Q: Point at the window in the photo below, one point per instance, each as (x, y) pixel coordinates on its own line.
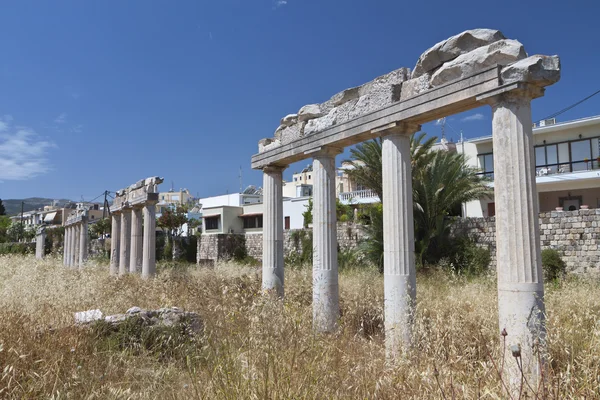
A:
(287, 223)
(309, 177)
(251, 222)
(211, 223)
(486, 164)
(576, 155)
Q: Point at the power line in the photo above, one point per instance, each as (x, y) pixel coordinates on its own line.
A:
(564, 110)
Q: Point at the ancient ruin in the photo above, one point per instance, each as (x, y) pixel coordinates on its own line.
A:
(40, 242)
(131, 249)
(474, 68)
(76, 239)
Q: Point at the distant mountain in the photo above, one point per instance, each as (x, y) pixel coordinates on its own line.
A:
(13, 206)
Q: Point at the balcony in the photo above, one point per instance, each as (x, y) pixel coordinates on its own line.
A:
(559, 168)
(359, 197)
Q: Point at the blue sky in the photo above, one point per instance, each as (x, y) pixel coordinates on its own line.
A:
(97, 95)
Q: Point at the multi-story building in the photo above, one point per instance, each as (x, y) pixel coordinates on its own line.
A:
(567, 168)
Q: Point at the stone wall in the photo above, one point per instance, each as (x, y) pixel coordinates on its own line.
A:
(212, 248)
(574, 234)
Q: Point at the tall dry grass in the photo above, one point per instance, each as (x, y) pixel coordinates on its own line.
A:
(258, 348)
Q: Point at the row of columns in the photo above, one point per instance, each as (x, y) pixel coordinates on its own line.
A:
(75, 251)
(133, 243)
(520, 281)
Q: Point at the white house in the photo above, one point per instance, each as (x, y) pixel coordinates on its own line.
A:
(567, 160)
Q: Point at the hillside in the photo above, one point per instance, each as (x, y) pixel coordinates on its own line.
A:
(13, 206)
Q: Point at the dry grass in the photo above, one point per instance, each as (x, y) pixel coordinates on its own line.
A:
(258, 348)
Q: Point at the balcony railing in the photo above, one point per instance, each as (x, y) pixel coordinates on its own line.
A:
(559, 168)
(358, 195)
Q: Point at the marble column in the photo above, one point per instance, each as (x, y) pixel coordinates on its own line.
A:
(83, 241)
(40, 244)
(125, 242)
(115, 238)
(75, 246)
(272, 268)
(149, 241)
(519, 269)
(326, 307)
(135, 258)
(66, 244)
(398, 239)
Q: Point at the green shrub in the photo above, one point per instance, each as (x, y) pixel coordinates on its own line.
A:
(302, 253)
(553, 265)
(465, 257)
(17, 248)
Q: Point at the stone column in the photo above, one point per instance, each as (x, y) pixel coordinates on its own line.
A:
(135, 258)
(40, 243)
(115, 238)
(326, 307)
(125, 242)
(149, 252)
(272, 268)
(520, 278)
(398, 239)
(75, 246)
(83, 241)
(66, 243)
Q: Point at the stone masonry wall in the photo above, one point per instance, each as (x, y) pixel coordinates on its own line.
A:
(574, 234)
(212, 248)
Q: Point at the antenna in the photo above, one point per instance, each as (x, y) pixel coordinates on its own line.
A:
(241, 186)
(172, 186)
(442, 122)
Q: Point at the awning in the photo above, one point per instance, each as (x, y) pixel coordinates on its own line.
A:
(50, 217)
(250, 215)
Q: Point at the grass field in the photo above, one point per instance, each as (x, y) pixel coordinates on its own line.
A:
(257, 348)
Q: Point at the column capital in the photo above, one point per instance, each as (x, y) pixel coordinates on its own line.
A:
(274, 168)
(403, 128)
(522, 93)
(324, 151)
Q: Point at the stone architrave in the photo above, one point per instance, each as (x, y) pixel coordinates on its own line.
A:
(83, 240)
(272, 269)
(115, 239)
(125, 242)
(518, 253)
(135, 258)
(149, 240)
(40, 243)
(398, 238)
(326, 308)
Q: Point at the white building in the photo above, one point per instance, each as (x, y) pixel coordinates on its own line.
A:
(567, 165)
(248, 218)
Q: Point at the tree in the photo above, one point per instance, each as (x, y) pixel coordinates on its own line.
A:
(442, 181)
(4, 225)
(439, 189)
(100, 227)
(365, 160)
(2, 209)
(172, 222)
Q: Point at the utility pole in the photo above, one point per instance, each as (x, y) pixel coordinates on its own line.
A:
(105, 209)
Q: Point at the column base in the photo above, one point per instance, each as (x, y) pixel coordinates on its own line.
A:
(326, 307)
(399, 302)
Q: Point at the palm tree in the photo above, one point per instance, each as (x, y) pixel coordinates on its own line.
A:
(442, 181)
(365, 161)
(439, 189)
